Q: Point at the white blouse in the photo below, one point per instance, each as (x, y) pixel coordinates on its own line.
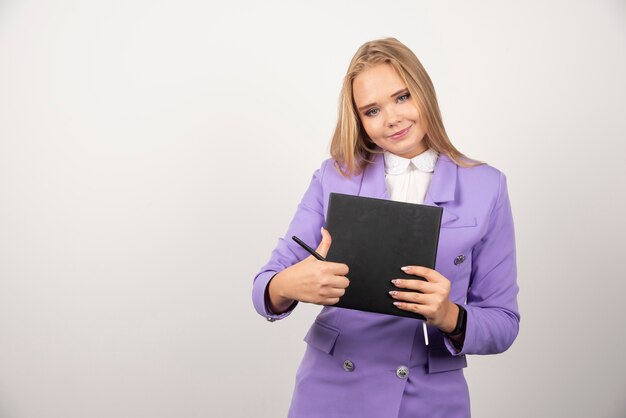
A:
(408, 179)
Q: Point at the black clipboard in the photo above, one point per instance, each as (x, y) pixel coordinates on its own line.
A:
(375, 237)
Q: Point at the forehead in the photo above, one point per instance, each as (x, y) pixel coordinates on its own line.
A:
(375, 84)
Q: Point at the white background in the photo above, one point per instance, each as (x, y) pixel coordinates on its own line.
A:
(151, 153)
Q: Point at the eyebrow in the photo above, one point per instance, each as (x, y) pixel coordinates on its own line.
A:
(395, 94)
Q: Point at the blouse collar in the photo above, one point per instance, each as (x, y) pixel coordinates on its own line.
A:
(394, 164)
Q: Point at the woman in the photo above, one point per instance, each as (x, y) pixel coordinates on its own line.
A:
(390, 143)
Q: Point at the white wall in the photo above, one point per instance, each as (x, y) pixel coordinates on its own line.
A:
(129, 238)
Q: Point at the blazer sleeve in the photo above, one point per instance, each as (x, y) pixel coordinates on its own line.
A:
(492, 312)
(306, 224)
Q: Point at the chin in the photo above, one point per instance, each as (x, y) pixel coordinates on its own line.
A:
(413, 150)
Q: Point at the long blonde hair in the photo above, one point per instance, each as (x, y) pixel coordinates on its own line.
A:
(351, 148)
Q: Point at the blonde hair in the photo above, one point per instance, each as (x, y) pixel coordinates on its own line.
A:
(351, 148)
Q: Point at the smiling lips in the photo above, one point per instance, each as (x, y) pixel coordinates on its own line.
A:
(400, 134)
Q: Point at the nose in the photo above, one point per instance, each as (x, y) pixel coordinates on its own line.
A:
(392, 118)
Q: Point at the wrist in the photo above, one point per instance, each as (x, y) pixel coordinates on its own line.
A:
(450, 319)
(279, 302)
(460, 324)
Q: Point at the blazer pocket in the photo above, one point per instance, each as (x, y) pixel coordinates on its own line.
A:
(440, 360)
(452, 220)
(322, 336)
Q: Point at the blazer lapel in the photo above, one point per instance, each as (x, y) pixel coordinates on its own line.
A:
(443, 192)
(373, 179)
(442, 188)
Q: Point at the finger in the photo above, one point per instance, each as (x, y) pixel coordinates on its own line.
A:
(330, 281)
(335, 293)
(429, 274)
(334, 282)
(410, 307)
(414, 284)
(333, 287)
(331, 301)
(327, 296)
(412, 297)
(338, 269)
(324, 246)
(340, 282)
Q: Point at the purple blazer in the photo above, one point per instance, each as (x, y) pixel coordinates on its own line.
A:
(352, 364)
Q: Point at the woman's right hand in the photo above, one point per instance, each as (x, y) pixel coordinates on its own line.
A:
(310, 280)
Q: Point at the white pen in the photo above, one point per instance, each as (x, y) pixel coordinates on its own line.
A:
(425, 332)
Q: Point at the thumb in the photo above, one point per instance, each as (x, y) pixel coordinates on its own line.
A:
(324, 246)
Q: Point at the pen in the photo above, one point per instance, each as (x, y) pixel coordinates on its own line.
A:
(309, 249)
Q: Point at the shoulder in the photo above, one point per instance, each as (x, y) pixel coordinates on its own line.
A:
(328, 163)
(328, 179)
(483, 182)
(330, 172)
(482, 173)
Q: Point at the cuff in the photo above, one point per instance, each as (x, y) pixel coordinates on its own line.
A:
(469, 335)
(261, 301)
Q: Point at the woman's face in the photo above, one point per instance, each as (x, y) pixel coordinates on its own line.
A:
(387, 111)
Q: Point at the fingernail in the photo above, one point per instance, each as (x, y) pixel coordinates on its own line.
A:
(392, 293)
(405, 268)
(397, 303)
(395, 281)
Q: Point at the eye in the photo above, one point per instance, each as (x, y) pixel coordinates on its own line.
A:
(371, 112)
(404, 97)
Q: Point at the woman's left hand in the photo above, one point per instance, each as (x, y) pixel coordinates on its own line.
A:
(434, 300)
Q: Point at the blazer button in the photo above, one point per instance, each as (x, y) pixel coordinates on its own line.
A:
(402, 372)
(459, 259)
(348, 365)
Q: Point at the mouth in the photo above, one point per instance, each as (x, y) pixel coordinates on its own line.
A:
(401, 133)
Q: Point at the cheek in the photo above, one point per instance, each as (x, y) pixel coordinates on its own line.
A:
(413, 113)
(371, 128)
(414, 116)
